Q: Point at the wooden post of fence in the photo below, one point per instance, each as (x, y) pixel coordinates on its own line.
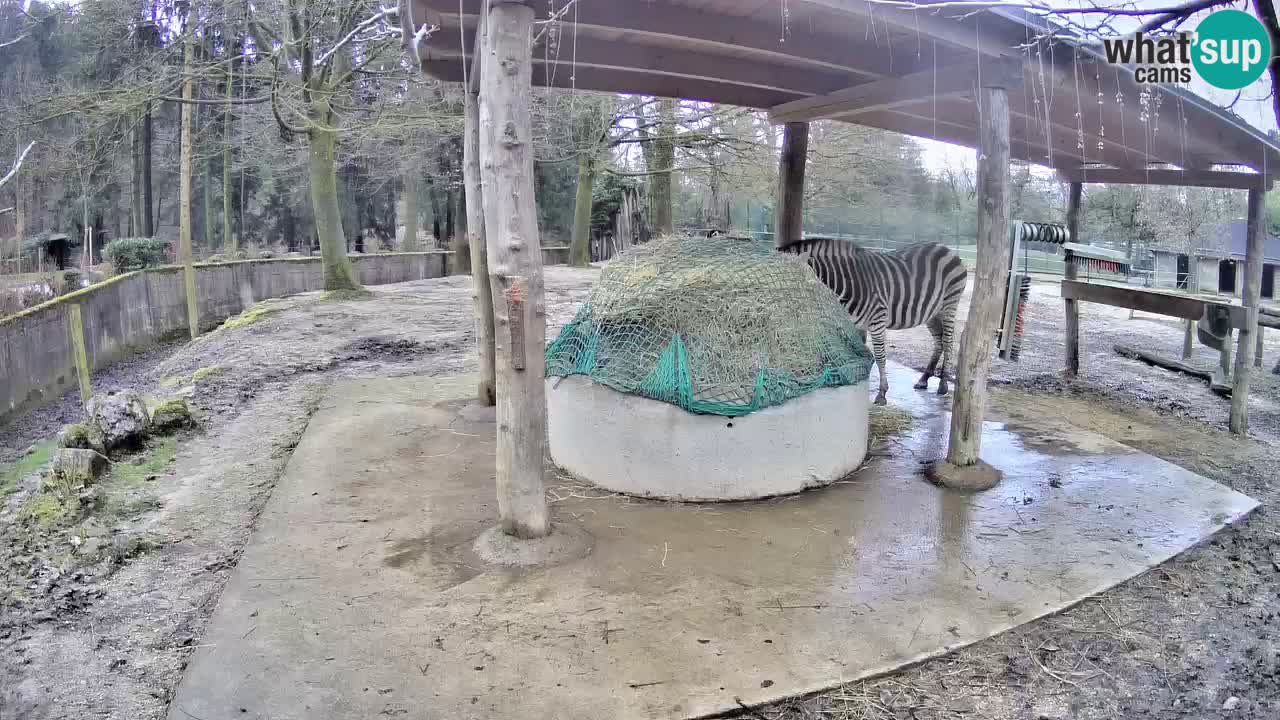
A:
(1257, 350)
(515, 268)
(1250, 296)
(1188, 339)
(1072, 307)
(75, 331)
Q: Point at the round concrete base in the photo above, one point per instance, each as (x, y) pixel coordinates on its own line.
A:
(970, 478)
(565, 543)
(634, 445)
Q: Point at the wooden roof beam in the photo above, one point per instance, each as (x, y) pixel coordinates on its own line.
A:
(958, 133)
(950, 30)
(877, 95)
(446, 66)
(1054, 141)
(1181, 178)
(595, 52)
(688, 27)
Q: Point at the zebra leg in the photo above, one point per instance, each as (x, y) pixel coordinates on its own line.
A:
(936, 329)
(948, 323)
(878, 336)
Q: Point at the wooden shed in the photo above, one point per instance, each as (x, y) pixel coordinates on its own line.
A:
(1000, 80)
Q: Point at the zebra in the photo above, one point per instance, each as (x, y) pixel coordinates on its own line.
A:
(893, 290)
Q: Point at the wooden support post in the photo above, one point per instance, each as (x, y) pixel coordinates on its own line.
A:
(1072, 306)
(515, 268)
(1257, 349)
(483, 295)
(75, 332)
(1250, 295)
(1188, 340)
(1224, 361)
(789, 217)
(992, 264)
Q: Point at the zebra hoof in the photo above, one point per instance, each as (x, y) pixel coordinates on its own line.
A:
(942, 389)
(880, 400)
(923, 383)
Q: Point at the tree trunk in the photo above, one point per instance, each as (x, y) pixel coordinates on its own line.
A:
(207, 201)
(436, 232)
(664, 160)
(449, 229)
(19, 212)
(485, 392)
(789, 216)
(410, 195)
(580, 245)
(148, 217)
(136, 223)
(1250, 296)
(339, 274)
(515, 266)
(992, 264)
(184, 192)
(228, 231)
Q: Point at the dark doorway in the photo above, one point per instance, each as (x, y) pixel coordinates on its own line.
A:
(1184, 270)
(1227, 277)
(1268, 281)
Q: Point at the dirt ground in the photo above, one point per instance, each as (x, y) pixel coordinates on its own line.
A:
(109, 637)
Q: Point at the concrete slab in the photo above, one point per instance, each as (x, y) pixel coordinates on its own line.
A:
(359, 595)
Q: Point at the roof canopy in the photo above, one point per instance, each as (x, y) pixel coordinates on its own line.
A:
(913, 72)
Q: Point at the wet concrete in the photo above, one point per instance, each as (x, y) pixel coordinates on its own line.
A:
(360, 595)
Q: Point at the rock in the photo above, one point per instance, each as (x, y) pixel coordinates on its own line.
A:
(75, 435)
(171, 415)
(116, 420)
(77, 468)
(1231, 703)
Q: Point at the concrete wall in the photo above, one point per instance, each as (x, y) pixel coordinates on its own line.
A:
(133, 311)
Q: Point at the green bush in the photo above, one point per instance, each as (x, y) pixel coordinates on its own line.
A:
(127, 254)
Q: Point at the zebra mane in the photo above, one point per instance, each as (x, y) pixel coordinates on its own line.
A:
(798, 244)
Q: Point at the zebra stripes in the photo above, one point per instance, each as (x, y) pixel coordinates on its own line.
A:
(893, 290)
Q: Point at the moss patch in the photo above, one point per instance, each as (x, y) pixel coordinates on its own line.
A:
(13, 472)
(45, 510)
(151, 463)
(887, 421)
(251, 316)
(205, 373)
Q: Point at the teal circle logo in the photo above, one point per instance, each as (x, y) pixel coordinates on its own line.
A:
(1232, 49)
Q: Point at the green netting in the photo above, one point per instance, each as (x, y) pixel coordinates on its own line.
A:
(718, 326)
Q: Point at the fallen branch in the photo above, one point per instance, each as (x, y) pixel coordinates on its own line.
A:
(1175, 366)
(17, 165)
